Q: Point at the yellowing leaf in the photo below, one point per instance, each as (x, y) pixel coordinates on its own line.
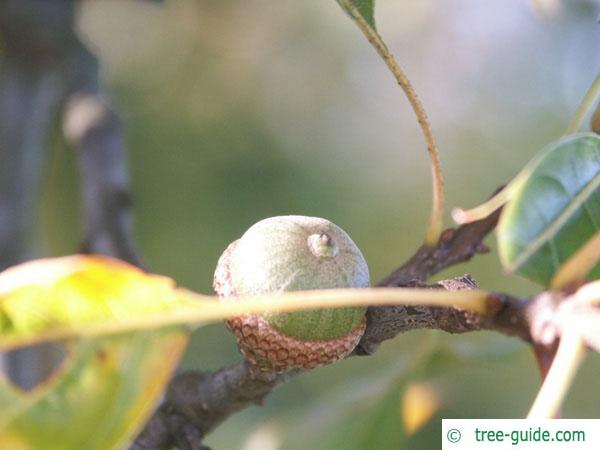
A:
(44, 297)
(124, 332)
(106, 388)
(99, 399)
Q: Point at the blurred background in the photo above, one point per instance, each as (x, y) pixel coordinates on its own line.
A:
(239, 110)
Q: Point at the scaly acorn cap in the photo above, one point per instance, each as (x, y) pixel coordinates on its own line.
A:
(291, 253)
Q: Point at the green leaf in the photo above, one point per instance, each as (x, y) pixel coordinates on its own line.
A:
(103, 393)
(366, 8)
(555, 211)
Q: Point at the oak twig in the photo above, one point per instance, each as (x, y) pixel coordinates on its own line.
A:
(93, 128)
(200, 401)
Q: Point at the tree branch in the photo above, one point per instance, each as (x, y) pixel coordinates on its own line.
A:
(93, 128)
(201, 401)
(197, 402)
(44, 66)
(35, 38)
(456, 245)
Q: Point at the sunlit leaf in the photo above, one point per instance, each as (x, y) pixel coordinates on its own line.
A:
(555, 211)
(100, 397)
(77, 292)
(106, 387)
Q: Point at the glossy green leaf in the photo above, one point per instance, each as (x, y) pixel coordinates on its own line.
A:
(102, 394)
(555, 211)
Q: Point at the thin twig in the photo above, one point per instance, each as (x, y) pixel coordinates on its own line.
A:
(93, 128)
(462, 216)
(455, 246)
(479, 212)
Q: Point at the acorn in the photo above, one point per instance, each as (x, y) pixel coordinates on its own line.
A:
(293, 253)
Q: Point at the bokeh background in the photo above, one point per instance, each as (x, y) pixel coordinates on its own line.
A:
(239, 110)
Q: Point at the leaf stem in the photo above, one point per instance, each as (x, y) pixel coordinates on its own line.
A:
(483, 210)
(569, 357)
(190, 308)
(579, 265)
(434, 228)
(586, 104)
(462, 216)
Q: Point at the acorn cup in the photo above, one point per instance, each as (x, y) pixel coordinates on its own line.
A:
(293, 253)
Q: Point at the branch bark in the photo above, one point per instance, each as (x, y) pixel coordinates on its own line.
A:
(197, 402)
(45, 68)
(35, 42)
(456, 245)
(93, 128)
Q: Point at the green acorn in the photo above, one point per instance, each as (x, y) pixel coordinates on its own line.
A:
(293, 253)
